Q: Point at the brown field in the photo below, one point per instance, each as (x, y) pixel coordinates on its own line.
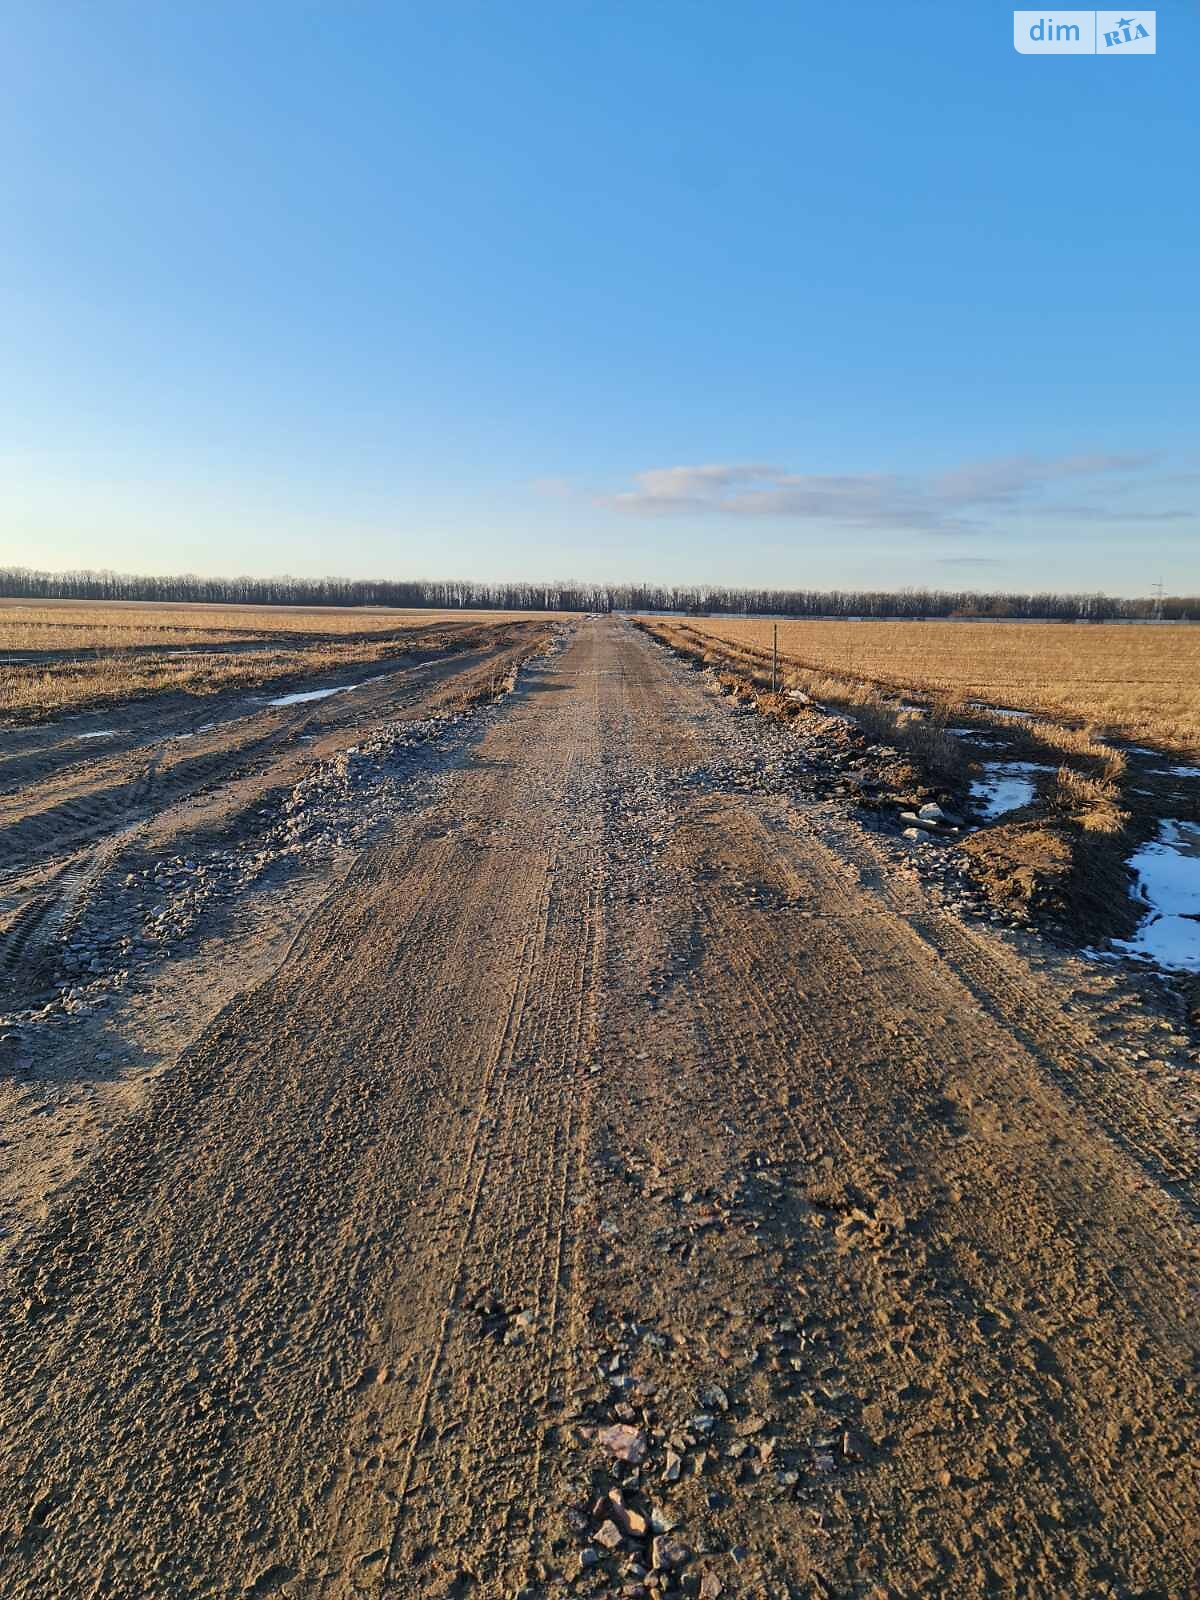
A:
(1137, 681)
(67, 624)
(71, 656)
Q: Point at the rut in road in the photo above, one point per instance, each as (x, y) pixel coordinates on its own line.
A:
(611, 1091)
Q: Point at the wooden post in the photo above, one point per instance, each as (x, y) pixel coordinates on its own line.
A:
(774, 656)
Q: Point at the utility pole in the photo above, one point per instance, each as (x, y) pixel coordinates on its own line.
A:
(774, 656)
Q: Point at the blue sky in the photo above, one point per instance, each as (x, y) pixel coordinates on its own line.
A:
(773, 294)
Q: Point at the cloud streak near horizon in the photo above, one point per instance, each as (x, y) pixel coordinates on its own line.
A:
(953, 502)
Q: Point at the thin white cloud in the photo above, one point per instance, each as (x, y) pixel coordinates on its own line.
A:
(552, 488)
(1011, 477)
(960, 501)
(1090, 513)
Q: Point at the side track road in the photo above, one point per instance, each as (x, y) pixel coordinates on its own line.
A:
(624, 1185)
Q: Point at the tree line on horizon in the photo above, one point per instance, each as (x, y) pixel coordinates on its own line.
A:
(24, 583)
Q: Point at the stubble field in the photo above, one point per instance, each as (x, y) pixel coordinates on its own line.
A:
(1140, 682)
(68, 656)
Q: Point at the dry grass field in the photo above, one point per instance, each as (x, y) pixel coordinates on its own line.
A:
(84, 625)
(68, 656)
(1140, 682)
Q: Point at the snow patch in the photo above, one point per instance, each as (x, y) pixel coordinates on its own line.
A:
(310, 694)
(1167, 870)
(1006, 786)
(999, 711)
(103, 733)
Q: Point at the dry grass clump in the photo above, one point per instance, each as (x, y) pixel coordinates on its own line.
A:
(935, 752)
(924, 740)
(1087, 741)
(1136, 679)
(1092, 802)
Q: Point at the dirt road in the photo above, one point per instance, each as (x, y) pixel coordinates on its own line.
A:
(621, 1088)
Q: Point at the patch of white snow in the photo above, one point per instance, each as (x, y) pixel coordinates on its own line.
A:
(1006, 786)
(999, 711)
(305, 695)
(1168, 882)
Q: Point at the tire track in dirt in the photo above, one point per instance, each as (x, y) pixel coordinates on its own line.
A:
(515, 1159)
(510, 1253)
(419, 931)
(1130, 1111)
(493, 1102)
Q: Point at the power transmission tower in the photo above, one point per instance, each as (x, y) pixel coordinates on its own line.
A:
(1156, 589)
